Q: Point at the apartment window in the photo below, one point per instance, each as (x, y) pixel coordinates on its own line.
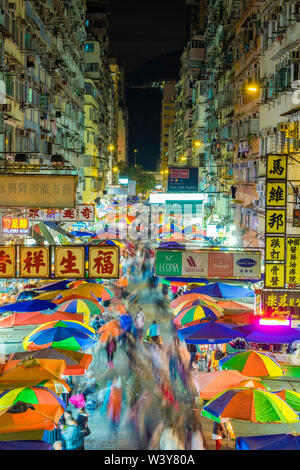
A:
(89, 47)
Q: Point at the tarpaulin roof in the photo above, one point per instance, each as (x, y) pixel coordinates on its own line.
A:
(211, 333)
(273, 442)
(28, 306)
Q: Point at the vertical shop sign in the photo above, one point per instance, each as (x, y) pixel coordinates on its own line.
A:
(34, 262)
(7, 261)
(104, 262)
(69, 261)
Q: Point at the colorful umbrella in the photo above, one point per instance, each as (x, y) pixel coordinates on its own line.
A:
(192, 314)
(110, 328)
(273, 442)
(56, 386)
(210, 384)
(250, 404)
(57, 285)
(249, 383)
(76, 362)
(252, 363)
(81, 306)
(230, 306)
(221, 290)
(71, 335)
(28, 306)
(111, 242)
(292, 398)
(29, 408)
(27, 372)
(89, 291)
(36, 318)
(190, 297)
(48, 295)
(199, 302)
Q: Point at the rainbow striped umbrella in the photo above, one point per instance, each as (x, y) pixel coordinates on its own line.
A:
(292, 398)
(56, 386)
(218, 311)
(249, 404)
(70, 335)
(81, 306)
(195, 313)
(252, 363)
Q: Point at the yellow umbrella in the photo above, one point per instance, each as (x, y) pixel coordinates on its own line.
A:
(48, 295)
(88, 290)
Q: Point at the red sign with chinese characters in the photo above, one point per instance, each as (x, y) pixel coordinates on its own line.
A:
(34, 262)
(104, 262)
(69, 261)
(7, 261)
(280, 304)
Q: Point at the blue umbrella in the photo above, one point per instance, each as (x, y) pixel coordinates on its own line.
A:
(227, 291)
(28, 306)
(60, 285)
(273, 442)
(185, 332)
(271, 334)
(126, 322)
(82, 234)
(212, 333)
(193, 280)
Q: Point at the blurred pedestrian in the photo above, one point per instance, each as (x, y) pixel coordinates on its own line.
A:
(111, 347)
(72, 434)
(114, 406)
(218, 434)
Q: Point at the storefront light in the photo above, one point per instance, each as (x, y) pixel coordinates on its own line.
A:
(267, 322)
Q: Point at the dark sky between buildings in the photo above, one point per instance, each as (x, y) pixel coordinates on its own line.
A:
(147, 37)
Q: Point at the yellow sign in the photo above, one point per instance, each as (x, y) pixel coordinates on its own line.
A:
(104, 262)
(34, 262)
(275, 221)
(7, 261)
(276, 194)
(276, 167)
(274, 275)
(292, 261)
(69, 262)
(52, 191)
(275, 248)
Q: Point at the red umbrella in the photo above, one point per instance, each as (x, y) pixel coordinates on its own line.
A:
(36, 318)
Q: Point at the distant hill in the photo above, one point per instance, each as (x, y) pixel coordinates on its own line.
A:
(164, 67)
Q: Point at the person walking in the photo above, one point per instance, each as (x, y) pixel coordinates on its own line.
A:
(218, 434)
(192, 348)
(82, 421)
(111, 347)
(114, 406)
(72, 434)
(139, 322)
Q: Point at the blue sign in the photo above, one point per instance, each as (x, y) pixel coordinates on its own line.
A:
(246, 263)
(183, 179)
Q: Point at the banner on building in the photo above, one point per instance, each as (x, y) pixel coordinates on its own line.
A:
(278, 304)
(293, 261)
(104, 262)
(15, 225)
(74, 262)
(210, 264)
(81, 213)
(42, 191)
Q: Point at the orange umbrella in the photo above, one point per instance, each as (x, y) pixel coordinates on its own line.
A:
(231, 306)
(90, 290)
(110, 328)
(251, 383)
(190, 297)
(29, 372)
(36, 318)
(56, 386)
(122, 282)
(210, 384)
(74, 297)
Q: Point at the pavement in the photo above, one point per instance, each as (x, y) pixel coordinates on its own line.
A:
(102, 437)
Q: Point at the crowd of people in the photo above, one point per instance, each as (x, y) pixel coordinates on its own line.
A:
(154, 398)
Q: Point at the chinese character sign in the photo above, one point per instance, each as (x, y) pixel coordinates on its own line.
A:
(276, 194)
(278, 304)
(34, 262)
(275, 221)
(274, 276)
(292, 261)
(86, 213)
(276, 167)
(7, 262)
(40, 191)
(15, 225)
(275, 248)
(82, 213)
(104, 262)
(69, 262)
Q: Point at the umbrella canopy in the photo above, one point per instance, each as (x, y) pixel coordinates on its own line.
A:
(190, 297)
(36, 318)
(220, 290)
(81, 306)
(211, 333)
(191, 314)
(56, 386)
(76, 362)
(71, 335)
(29, 372)
(230, 306)
(250, 404)
(110, 328)
(111, 242)
(89, 291)
(48, 295)
(25, 445)
(250, 383)
(28, 306)
(292, 398)
(252, 363)
(57, 285)
(272, 334)
(218, 311)
(273, 442)
(210, 384)
(29, 408)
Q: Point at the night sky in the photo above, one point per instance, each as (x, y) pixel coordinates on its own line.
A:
(147, 37)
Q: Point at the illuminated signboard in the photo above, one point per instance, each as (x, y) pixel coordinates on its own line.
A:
(15, 225)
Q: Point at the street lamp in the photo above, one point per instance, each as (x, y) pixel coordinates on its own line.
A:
(135, 152)
(197, 143)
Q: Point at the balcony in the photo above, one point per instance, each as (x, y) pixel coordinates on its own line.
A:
(5, 22)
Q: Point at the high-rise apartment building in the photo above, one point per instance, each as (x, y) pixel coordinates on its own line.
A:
(167, 121)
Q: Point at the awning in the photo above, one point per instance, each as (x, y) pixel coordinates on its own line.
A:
(291, 111)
